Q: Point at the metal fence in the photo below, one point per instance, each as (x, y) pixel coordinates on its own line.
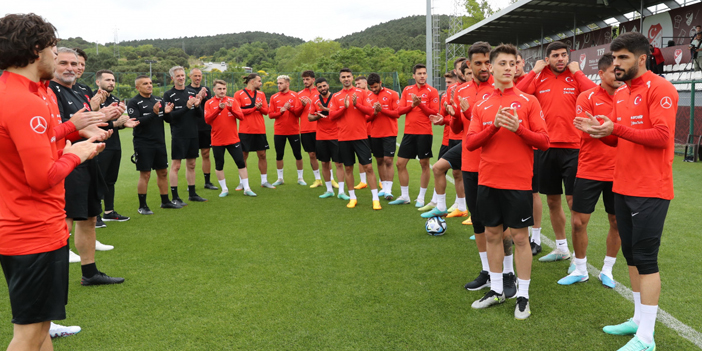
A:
(125, 87)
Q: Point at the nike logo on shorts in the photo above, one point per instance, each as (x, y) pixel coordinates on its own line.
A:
(296, 140)
(525, 219)
(634, 214)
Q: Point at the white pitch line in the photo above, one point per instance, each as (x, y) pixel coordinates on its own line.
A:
(664, 317)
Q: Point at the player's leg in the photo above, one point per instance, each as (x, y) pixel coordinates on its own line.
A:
(279, 142)
(586, 194)
(550, 184)
(489, 210)
(310, 147)
(470, 185)
(440, 169)
(238, 156)
(516, 206)
(425, 154)
(296, 147)
(263, 168)
(461, 210)
(204, 140)
(613, 240)
(218, 154)
(34, 336)
(324, 155)
(162, 183)
(190, 164)
(363, 152)
(389, 148)
(173, 180)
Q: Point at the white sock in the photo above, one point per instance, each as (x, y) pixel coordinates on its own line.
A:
(245, 183)
(352, 194)
(608, 264)
(434, 197)
(536, 235)
(331, 175)
(374, 192)
(637, 308)
(280, 173)
(405, 192)
(648, 323)
(484, 261)
(264, 178)
(223, 185)
(461, 201)
(388, 188)
(422, 194)
(299, 173)
(329, 187)
(581, 265)
(507, 266)
(523, 288)
(363, 177)
(441, 202)
(496, 282)
(562, 245)
(341, 187)
(239, 179)
(316, 175)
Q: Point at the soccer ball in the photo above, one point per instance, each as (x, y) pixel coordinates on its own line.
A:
(435, 226)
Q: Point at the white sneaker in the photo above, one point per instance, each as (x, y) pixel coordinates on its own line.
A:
(73, 257)
(102, 247)
(58, 330)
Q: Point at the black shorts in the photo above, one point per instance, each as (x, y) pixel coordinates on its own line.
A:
(383, 147)
(234, 150)
(328, 150)
(453, 143)
(510, 208)
(640, 221)
(416, 145)
(308, 142)
(454, 156)
(587, 192)
(184, 148)
(253, 142)
(442, 150)
(109, 161)
(83, 198)
(148, 158)
(38, 285)
(537, 167)
(470, 187)
(558, 166)
(348, 150)
(279, 143)
(204, 139)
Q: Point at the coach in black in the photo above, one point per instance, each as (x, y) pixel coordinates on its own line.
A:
(184, 145)
(204, 130)
(85, 185)
(109, 159)
(150, 142)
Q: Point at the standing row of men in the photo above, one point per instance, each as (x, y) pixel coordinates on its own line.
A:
(501, 125)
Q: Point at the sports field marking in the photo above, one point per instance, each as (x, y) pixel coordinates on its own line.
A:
(664, 317)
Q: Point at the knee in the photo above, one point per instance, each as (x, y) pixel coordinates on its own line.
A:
(553, 201)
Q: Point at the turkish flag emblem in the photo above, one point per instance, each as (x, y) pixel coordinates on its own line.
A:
(654, 33)
(678, 55)
(583, 60)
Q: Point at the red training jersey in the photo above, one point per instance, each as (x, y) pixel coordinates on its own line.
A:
(223, 120)
(473, 92)
(286, 122)
(645, 127)
(502, 149)
(327, 129)
(253, 122)
(417, 118)
(596, 159)
(32, 169)
(557, 95)
(384, 123)
(305, 125)
(351, 120)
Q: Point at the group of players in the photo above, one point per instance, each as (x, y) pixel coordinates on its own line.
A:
(508, 137)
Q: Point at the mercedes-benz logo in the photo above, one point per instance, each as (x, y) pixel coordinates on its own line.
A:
(38, 124)
(666, 102)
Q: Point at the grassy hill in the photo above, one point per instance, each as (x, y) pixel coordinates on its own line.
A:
(408, 33)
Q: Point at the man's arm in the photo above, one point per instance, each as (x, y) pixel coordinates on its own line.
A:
(432, 105)
(212, 110)
(478, 134)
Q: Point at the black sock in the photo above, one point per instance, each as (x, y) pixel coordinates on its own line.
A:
(142, 200)
(164, 199)
(174, 191)
(89, 270)
(207, 178)
(191, 190)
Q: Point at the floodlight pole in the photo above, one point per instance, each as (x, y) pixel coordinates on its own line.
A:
(430, 52)
(150, 62)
